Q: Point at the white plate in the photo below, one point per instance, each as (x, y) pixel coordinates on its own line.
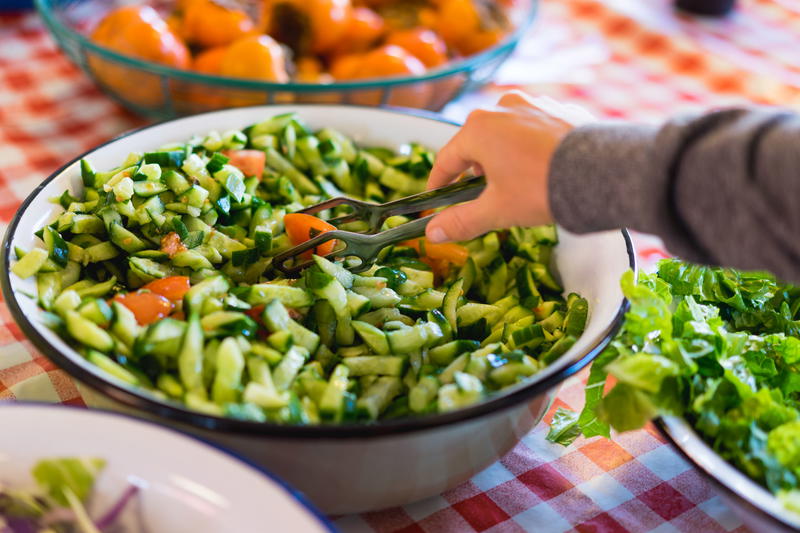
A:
(186, 484)
(757, 507)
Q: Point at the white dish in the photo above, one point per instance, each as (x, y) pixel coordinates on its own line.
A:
(352, 467)
(757, 507)
(185, 484)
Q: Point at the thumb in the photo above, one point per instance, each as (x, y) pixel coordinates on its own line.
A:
(463, 222)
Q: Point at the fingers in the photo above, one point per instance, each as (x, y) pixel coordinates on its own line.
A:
(570, 113)
(464, 221)
(450, 162)
(514, 98)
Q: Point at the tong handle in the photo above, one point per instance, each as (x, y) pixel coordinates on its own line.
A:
(455, 193)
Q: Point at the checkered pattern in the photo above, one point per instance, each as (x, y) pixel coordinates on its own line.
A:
(619, 58)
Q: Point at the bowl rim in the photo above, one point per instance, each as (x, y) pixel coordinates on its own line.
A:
(723, 475)
(210, 446)
(132, 398)
(469, 63)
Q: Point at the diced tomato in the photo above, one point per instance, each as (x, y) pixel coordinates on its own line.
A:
(171, 244)
(172, 288)
(440, 267)
(301, 228)
(449, 251)
(255, 312)
(250, 162)
(147, 307)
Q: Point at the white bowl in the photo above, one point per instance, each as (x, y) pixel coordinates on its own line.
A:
(185, 484)
(353, 467)
(757, 507)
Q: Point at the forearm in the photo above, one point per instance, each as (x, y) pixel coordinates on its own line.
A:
(719, 189)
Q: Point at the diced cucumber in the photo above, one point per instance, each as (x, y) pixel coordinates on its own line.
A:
(326, 287)
(148, 188)
(498, 277)
(445, 354)
(88, 333)
(288, 368)
(375, 338)
(527, 337)
(149, 269)
(48, 285)
(30, 263)
(411, 339)
(381, 365)
(545, 309)
(208, 288)
(466, 391)
(577, 313)
(276, 318)
(558, 349)
(423, 393)
(230, 365)
(426, 300)
(331, 404)
(87, 224)
(543, 276)
(471, 312)
(377, 397)
(521, 366)
(553, 322)
(99, 252)
(68, 300)
(96, 310)
(265, 397)
(225, 323)
(162, 338)
(526, 287)
(124, 324)
(110, 366)
(170, 386)
(276, 161)
(270, 355)
(281, 340)
(86, 288)
(56, 246)
(347, 150)
(457, 365)
(125, 239)
(357, 304)
(384, 297)
(342, 275)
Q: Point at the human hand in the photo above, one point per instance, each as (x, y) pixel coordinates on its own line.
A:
(511, 144)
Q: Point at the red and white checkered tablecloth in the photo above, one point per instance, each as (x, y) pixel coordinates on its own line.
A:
(621, 59)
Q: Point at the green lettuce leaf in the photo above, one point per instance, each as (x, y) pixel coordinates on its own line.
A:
(564, 428)
(626, 408)
(54, 476)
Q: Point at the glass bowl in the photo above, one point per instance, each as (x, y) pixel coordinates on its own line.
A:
(161, 91)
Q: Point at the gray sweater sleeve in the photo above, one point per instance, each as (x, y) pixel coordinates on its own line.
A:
(721, 188)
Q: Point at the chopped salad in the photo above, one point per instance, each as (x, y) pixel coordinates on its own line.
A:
(158, 272)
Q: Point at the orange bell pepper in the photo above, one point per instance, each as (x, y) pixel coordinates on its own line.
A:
(301, 228)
